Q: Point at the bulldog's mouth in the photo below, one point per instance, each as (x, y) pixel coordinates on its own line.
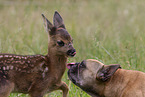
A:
(73, 72)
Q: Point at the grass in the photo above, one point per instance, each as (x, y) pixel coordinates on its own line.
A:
(111, 31)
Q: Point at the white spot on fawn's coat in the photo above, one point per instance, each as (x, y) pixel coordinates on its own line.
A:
(11, 67)
(4, 68)
(1, 56)
(6, 55)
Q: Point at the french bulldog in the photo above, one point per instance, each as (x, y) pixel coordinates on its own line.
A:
(99, 80)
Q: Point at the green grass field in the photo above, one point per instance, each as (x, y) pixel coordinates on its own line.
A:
(111, 31)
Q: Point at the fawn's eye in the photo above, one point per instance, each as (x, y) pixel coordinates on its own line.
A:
(60, 43)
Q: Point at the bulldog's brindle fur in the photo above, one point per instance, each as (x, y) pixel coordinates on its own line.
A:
(36, 75)
(100, 80)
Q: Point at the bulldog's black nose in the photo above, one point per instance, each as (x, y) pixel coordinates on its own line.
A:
(71, 52)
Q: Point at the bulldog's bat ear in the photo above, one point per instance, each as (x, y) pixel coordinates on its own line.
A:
(107, 71)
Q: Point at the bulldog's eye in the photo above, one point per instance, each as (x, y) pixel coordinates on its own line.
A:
(60, 43)
(82, 66)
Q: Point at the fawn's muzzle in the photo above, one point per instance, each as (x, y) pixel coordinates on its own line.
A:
(71, 52)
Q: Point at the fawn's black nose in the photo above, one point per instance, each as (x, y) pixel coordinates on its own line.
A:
(71, 52)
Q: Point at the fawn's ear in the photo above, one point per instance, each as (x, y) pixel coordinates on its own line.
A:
(58, 21)
(47, 23)
(107, 71)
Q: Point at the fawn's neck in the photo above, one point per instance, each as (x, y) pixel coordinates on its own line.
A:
(58, 63)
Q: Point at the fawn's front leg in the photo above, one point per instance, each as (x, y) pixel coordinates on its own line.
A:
(35, 94)
(64, 88)
(5, 88)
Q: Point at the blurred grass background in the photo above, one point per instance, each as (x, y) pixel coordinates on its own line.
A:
(111, 31)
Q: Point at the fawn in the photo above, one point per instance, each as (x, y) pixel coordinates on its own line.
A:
(37, 75)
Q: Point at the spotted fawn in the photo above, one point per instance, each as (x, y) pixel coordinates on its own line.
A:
(37, 75)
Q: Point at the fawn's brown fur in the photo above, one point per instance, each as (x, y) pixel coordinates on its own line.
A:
(36, 75)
